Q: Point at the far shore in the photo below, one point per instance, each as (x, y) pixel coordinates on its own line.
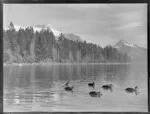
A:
(54, 63)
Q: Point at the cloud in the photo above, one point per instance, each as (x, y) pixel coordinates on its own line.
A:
(129, 25)
(85, 6)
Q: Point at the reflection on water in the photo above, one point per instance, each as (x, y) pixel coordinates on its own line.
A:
(41, 88)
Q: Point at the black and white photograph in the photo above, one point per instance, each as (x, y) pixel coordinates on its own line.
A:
(75, 57)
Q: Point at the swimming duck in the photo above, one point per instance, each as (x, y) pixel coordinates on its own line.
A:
(91, 84)
(95, 94)
(69, 88)
(131, 90)
(109, 86)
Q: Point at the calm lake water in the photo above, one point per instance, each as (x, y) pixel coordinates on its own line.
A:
(41, 88)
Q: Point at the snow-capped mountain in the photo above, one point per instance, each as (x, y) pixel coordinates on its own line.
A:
(72, 37)
(134, 51)
(48, 27)
(39, 28)
(122, 43)
(16, 27)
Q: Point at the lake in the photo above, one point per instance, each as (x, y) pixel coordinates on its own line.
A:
(41, 88)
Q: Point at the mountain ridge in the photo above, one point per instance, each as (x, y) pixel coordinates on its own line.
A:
(124, 43)
(39, 28)
(135, 52)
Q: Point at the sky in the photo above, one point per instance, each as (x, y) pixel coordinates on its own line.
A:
(103, 24)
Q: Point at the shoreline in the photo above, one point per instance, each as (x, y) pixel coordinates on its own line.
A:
(51, 63)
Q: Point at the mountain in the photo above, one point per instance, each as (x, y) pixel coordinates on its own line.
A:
(36, 28)
(123, 43)
(72, 37)
(39, 28)
(47, 27)
(136, 53)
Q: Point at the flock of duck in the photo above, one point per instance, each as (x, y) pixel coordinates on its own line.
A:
(98, 93)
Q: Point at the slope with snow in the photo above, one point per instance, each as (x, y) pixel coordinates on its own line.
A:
(122, 43)
(16, 27)
(48, 27)
(72, 37)
(134, 51)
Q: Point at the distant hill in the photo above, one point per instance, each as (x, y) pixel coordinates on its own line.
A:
(136, 53)
(72, 37)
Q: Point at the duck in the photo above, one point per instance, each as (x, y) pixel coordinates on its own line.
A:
(69, 88)
(95, 94)
(91, 84)
(131, 90)
(109, 86)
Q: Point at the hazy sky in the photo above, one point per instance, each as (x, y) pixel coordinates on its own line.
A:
(102, 24)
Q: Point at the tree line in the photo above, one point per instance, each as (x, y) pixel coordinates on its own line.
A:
(28, 46)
